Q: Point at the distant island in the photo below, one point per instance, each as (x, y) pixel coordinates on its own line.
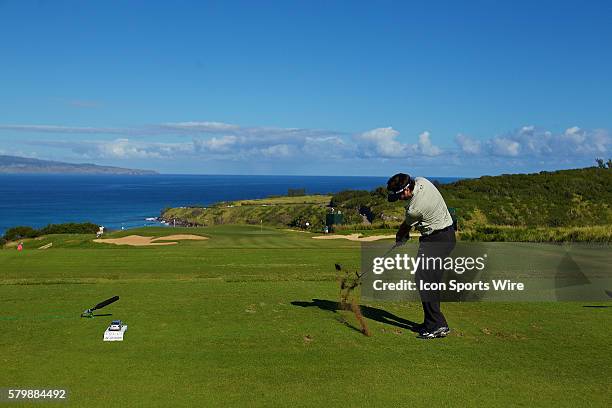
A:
(24, 165)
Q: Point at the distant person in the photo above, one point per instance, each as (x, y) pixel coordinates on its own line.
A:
(100, 232)
(20, 247)
(426, 211)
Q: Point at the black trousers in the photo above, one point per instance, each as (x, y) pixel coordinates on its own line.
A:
(431, 247)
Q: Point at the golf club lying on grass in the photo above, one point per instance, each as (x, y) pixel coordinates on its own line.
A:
(89, 312)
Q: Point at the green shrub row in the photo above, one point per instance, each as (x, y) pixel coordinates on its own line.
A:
(21, 232)
(500, 233)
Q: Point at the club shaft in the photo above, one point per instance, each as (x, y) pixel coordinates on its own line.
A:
(106, 303)
(383, 256)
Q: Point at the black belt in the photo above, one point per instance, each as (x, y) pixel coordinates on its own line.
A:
(450, 227)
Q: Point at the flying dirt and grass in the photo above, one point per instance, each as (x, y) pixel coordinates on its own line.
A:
(251, 317)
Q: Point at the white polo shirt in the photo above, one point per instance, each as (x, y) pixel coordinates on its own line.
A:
(426, 210)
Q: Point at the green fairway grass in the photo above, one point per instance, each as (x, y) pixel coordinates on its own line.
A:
(249, 318)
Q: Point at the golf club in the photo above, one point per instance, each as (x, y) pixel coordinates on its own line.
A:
(397, 244)
(89, 312)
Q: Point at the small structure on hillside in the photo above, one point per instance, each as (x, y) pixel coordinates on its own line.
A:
(333, 218)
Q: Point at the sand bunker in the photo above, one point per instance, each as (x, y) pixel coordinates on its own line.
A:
(355, 237)
(180, 237)
(138, 240)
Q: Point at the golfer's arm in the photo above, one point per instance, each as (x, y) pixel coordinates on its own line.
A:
(403, 231)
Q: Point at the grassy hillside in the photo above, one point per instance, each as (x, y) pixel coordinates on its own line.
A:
(563, 198)
(275, 211)
(566, 198)
(249, 318)
(546, 206)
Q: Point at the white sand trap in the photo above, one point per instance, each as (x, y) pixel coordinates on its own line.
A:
(133, 240)
(138, 240)
(180, 237)
(355, 237)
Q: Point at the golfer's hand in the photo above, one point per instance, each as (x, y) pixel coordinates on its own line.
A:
(402, 241)
(402, 234)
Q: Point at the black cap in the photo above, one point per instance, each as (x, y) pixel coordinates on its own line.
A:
(396, 184)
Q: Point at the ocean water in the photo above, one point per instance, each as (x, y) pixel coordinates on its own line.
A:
(127, 201)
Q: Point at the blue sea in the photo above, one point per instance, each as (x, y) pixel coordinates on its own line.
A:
(127, 201)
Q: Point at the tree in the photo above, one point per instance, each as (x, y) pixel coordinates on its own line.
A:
(610, 163)
(600, 163)
(15, 233)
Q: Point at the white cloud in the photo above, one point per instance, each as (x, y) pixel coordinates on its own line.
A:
(425, 146)
(64, 129)
(504, 147)
(573, 141)
(333, 147)
(211, 127)
(467, 144)
(280, 151)
(574, 135)
(124, 149)
(205, 140)
(118, 148)
(381, 142)
(601, 141)
(384, 143)
(19, 153)
(531, 142)
(223, 144)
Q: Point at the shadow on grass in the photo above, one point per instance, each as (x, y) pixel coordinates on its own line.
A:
(372, 313)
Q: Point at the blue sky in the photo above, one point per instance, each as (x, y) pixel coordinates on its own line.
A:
(343, 88)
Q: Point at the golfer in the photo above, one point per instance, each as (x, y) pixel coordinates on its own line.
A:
(426, 211)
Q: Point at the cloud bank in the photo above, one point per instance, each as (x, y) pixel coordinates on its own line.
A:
(209, 140)
(531, 142)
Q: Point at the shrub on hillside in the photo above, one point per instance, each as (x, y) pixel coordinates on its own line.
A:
(503, 233)
(351, 198)
(21, 232)
(70, 228)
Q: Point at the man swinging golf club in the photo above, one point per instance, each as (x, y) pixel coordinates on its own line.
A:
(426, 211)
